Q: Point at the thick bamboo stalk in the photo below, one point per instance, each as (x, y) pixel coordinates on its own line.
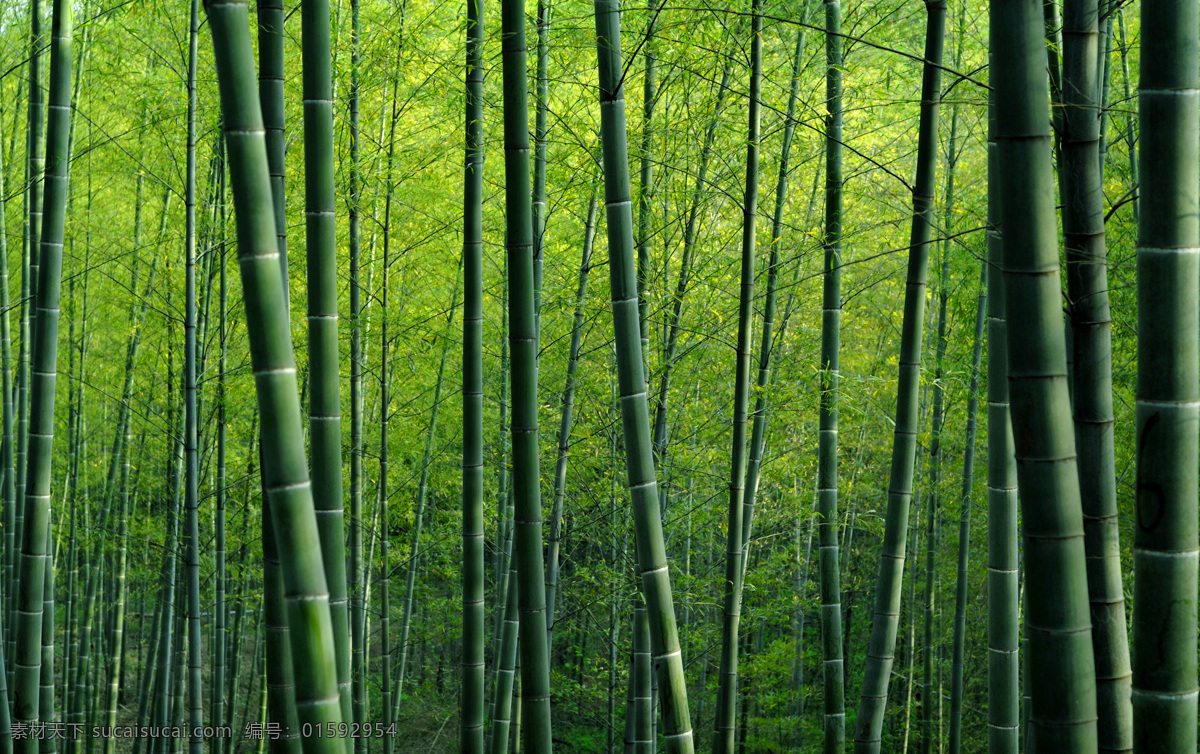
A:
(324, 407)
(1082, 192)
(1057, 619)
(1168, 387)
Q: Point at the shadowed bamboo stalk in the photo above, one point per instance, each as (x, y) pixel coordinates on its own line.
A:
(1003, 634)
(1082, 191)
(523, 342)
(1057, 620)
(639, 455)
(36, 552)
(1168, 387)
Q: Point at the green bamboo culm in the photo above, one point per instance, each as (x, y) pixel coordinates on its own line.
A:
(324, 404)
(646, 177)
(1003, 584)
(285, 468)
(958, 649)
(725, 724)
(280, 697)
(639, 457)
(358, 670)
(1168, 386)
(1057, 618)
(523, 340)
(191, 433)
(882, 646)
(472, 693)
(1082, 191)
(538, 199)
(35, 534)
(833, 663)
(34, 168)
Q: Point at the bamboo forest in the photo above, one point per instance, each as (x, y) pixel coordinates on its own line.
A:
(522, 376)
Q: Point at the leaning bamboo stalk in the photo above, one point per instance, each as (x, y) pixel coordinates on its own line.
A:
(881, 650)
(639, 455)
(35, 547)
(284, 464)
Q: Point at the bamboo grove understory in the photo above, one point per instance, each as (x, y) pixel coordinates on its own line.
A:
(881, 433)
